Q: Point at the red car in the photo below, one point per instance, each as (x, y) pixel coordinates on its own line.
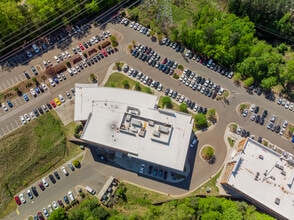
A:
(40, 216)
(41, 186)
(53, 104)
(17, 200)
(104, 53)
(81, 46)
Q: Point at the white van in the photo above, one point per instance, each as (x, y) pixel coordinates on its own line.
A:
(90, 190)
(64, 171)
(69, 71)
(51, 82)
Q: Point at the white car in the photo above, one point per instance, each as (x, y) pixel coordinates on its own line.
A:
(285, 124)
(32, 115)
(287, 105)
(45, 212)
(195, 108)
(181, 99)
(239, 131)
(63, 55)
(44, 86)
(253, 117)
(27, 117)
(132, 24)
(57, 59)
(49, 207)
(291, 106)
(4, 107)
(142, 168)
(74, 70)
(61, 98)
(67, 54)
(159, 88)
(245, 112)
(33, 92)
(68, 94)
(108, 33)
(71, 196)
(22, 199)
(54, 205)
(22, 119)
(252, 107)
(45, 182)
(221, 91)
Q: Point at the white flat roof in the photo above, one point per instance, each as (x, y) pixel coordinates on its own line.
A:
(132, 126)
(86, 93)
(275, 179)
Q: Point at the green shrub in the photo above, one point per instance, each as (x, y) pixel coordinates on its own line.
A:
(176, 76)
(76, 163)
(180, 67)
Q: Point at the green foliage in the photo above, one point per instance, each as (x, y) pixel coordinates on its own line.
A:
(92, 7)
(77, 130)
(176, 76)
(166, 101)
(183, 107)
(137, 86)
(85, 55)
(249, 81)
(211, 115)
(99, 46)
(181, 67)
(34, 79)
(76, 163)
(242, 107)
(207, 152)
(126, 84)
(68, 64)
(29, 84)
(58, 214)
(16, 89)
(200, 121)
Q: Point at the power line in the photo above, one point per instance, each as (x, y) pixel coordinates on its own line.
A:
(22, 38)
(29, 24)
(13, 52)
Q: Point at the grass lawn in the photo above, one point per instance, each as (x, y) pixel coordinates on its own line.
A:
(138, 200)
(116, 80)
(29, 152)
(211, 184)
(175, 106)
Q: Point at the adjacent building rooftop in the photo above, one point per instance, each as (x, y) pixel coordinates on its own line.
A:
(263, 176)
(129, 122)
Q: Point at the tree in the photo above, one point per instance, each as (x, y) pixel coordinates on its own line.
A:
(137, 86)
(200, 121)
(58, 214)
(183, 107)
(92, 6)
(268, 83)
(166, 101)
(76, 163)
(249, 81)
(126, 84)
(211, 115)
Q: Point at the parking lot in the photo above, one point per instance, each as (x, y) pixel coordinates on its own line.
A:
(226, 112)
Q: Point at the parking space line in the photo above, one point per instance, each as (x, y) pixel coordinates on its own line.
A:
(8, 83)
(17, 80)
(4, 86)
(17, 123)
(20, 76)
(7, 128)
(11, 79)
(4, 132)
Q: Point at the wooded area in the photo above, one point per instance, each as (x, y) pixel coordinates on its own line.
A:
(28, 18)
(276, 17)
(189, 208)
(227, 39)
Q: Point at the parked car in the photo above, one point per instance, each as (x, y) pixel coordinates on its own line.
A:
(64, 171)
(71, 166)
(17, 200)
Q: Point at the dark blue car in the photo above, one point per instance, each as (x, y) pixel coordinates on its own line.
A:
(25, 97)
(9, 103)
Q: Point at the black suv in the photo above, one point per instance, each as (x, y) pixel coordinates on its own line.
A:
(35, 192)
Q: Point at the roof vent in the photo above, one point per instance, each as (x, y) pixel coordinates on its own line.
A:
(277, 201)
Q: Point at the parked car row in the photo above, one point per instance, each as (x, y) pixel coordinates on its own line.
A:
(286, 104)
(182, 99)
(143, 78)
(260, 119)
(43, 184)
(138, 27)
(62, 56)
(209, 63)
(90, 61)
(153, 171)
(201, 84)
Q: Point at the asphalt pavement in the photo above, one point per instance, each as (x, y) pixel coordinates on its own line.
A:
(92, 171)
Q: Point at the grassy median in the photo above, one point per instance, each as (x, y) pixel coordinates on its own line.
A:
(29, 152)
